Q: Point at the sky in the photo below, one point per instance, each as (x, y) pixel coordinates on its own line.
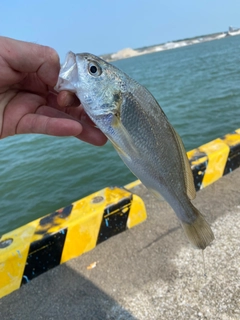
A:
(107, 26)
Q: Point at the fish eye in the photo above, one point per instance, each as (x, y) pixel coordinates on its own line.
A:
(94, 69)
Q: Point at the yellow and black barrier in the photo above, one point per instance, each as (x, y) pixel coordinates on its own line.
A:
(58, 237)
(215, 159)
(64, 234)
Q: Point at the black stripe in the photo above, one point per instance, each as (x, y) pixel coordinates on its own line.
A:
(49, 221)
(114, 219)
(43, 255)
(198, 170)
(64, 213)
(198, 174)
(233, 161)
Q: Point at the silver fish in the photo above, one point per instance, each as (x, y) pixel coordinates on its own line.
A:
(133, 121)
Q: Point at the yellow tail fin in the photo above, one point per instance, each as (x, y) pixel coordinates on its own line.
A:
(199, 233)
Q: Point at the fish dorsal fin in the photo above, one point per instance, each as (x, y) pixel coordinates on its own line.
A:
(188, 176)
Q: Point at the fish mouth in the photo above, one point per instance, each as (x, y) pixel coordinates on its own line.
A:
(68, 75)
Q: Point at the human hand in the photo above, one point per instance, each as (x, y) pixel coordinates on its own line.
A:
(28, 103)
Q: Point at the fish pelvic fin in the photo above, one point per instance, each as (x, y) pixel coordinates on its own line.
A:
(199, 233)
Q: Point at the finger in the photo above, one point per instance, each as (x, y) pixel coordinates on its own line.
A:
(38, 123)
(66, 99)
(77, 113)
(24, 104)
(92, 135)
(21, 104)
(53, 113)
(29, 57)
(52, 100)
(35, 123)
(89, 132)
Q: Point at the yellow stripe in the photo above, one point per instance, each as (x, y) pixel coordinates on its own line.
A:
(133, 184)
(13, 258)
(196, 157)
(232, 139)
(137, 212)
(86, 217)
(217, 152)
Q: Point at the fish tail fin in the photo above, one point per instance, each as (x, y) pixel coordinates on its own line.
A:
(199, 233)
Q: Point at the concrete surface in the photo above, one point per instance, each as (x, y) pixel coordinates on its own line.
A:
(148, 272)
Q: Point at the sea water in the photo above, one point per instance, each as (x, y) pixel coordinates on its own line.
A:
(197, 86)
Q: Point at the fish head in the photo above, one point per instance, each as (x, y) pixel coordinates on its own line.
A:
(97, 84)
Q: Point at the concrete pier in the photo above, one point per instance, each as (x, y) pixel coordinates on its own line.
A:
(147, 272)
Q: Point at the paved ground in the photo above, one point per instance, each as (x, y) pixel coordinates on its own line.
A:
(148, 272)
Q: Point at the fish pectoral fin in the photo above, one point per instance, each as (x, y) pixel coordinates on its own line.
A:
(116, 122)
(124, 136)
(118, 149)
(199, 233)
(188, 176)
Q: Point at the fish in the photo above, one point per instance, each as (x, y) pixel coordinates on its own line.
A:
(133, 121)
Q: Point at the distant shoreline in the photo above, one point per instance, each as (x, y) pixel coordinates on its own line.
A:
(129, 52)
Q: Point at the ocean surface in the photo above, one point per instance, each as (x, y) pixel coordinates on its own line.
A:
(197, 86)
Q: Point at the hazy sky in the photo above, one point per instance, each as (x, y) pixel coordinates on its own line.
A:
(105, 26)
